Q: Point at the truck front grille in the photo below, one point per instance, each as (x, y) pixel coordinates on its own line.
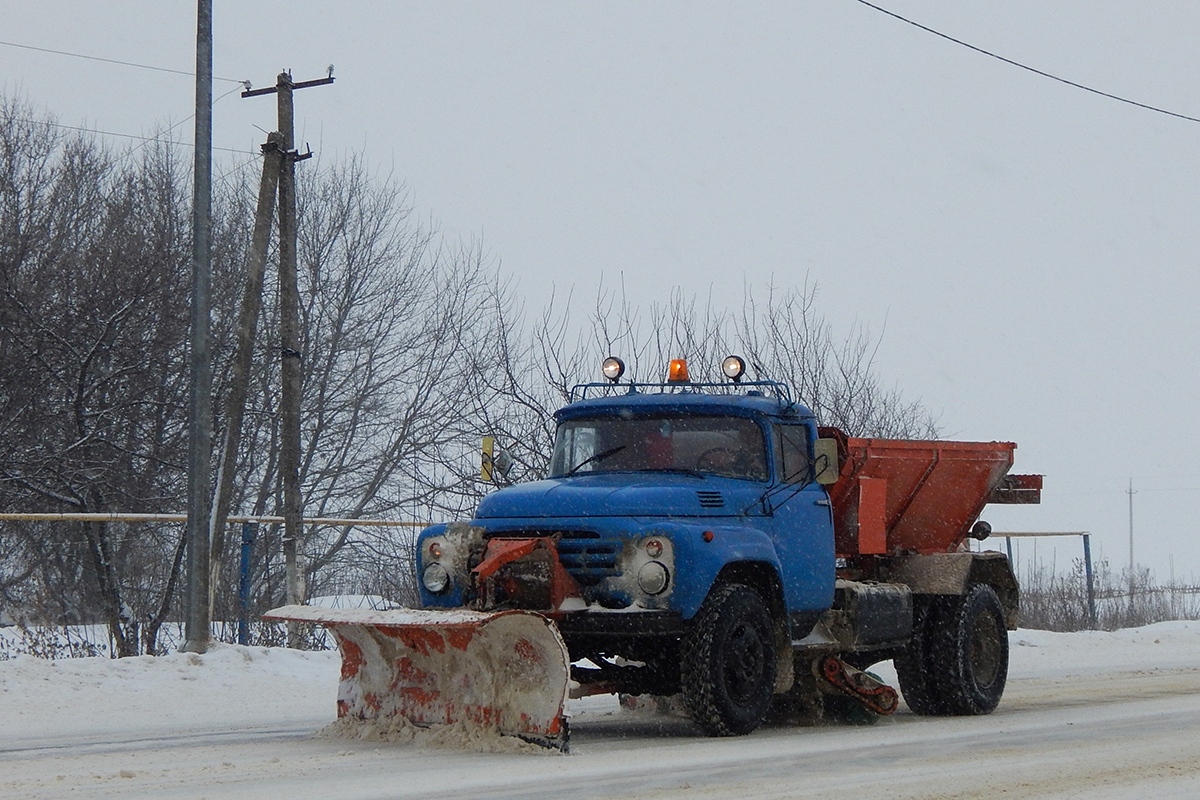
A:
(588, 558)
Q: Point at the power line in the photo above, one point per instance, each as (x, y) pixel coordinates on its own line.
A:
(1172, 490)
(185, 119)
(113, 61)
(1028, 68)
(143, 139)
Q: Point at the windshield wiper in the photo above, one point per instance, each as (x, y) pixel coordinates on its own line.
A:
(603, 454)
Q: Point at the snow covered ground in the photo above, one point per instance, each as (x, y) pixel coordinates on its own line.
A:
(1096, 715)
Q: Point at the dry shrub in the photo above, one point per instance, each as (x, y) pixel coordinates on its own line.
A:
(1054, 602)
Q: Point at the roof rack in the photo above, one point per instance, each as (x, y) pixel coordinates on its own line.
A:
(581, 391)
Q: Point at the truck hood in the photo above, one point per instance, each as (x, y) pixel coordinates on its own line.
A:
(623, 495)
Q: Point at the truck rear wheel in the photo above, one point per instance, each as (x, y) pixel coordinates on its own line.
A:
(957, 661)
(728, 662)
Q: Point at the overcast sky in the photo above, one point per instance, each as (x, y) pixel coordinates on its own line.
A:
(1027, 250)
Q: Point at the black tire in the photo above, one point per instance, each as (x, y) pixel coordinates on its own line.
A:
(804, 703)
(914, 665)
(965, 658)
(728, 662)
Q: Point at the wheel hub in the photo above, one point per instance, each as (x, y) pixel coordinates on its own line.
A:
(985, 650)
(745, 662)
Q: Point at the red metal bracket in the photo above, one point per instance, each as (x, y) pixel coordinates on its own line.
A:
(875, 695)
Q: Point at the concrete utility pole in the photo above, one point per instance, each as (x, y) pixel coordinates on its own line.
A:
(235, 406)
(198, 624)
(289, 334)
(290, 352)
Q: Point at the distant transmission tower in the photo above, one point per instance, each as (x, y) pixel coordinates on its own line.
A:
(1131, 493)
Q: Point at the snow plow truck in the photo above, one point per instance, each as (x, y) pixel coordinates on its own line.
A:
(707, 540)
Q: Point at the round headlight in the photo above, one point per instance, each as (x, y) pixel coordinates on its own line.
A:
(613, 368)
(733, 367)
(652, 577)
(435, 578)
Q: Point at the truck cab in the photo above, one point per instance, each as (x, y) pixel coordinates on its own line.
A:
(652, 495)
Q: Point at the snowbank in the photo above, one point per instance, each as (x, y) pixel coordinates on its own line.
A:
(1165, 645)
(227, 686)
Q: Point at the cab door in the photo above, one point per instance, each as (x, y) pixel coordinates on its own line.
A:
(801, 527)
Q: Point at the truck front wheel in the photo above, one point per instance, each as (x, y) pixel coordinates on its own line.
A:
(728, 662)
(958, 662)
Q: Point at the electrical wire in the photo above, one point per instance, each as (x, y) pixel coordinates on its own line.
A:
(1171, 490)
(182, 121)
(1026, 67)
(114, 61)
(143, 139)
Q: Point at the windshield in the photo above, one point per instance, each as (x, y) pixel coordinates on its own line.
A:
(728, 446)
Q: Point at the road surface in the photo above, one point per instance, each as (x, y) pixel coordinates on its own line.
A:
(1114, 734)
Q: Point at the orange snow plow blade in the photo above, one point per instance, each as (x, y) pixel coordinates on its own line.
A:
(506, 671)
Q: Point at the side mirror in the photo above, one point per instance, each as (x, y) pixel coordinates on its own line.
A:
(825, 463)
(494, 462)
(502, 463)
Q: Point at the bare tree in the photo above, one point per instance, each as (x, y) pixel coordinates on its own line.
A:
(414, 348)
(390, 319)
(94, 269)
(527, 372)
(787, 339)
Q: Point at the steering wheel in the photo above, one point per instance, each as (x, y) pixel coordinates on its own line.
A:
(708, 461)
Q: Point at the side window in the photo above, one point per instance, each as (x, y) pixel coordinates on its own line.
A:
(575, 444)
(793, 451)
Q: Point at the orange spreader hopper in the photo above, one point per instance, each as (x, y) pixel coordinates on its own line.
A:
(506, 671)
(897, 496)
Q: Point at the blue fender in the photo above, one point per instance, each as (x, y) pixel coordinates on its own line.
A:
(702, 561)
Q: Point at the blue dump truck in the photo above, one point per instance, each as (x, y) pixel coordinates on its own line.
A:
(705, 540)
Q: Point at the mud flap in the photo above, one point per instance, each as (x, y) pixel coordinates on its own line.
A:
(506, 671)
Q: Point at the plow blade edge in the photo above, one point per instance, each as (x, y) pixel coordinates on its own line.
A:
(506, 671)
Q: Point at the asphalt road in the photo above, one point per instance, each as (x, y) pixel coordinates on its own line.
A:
(1110, 735)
